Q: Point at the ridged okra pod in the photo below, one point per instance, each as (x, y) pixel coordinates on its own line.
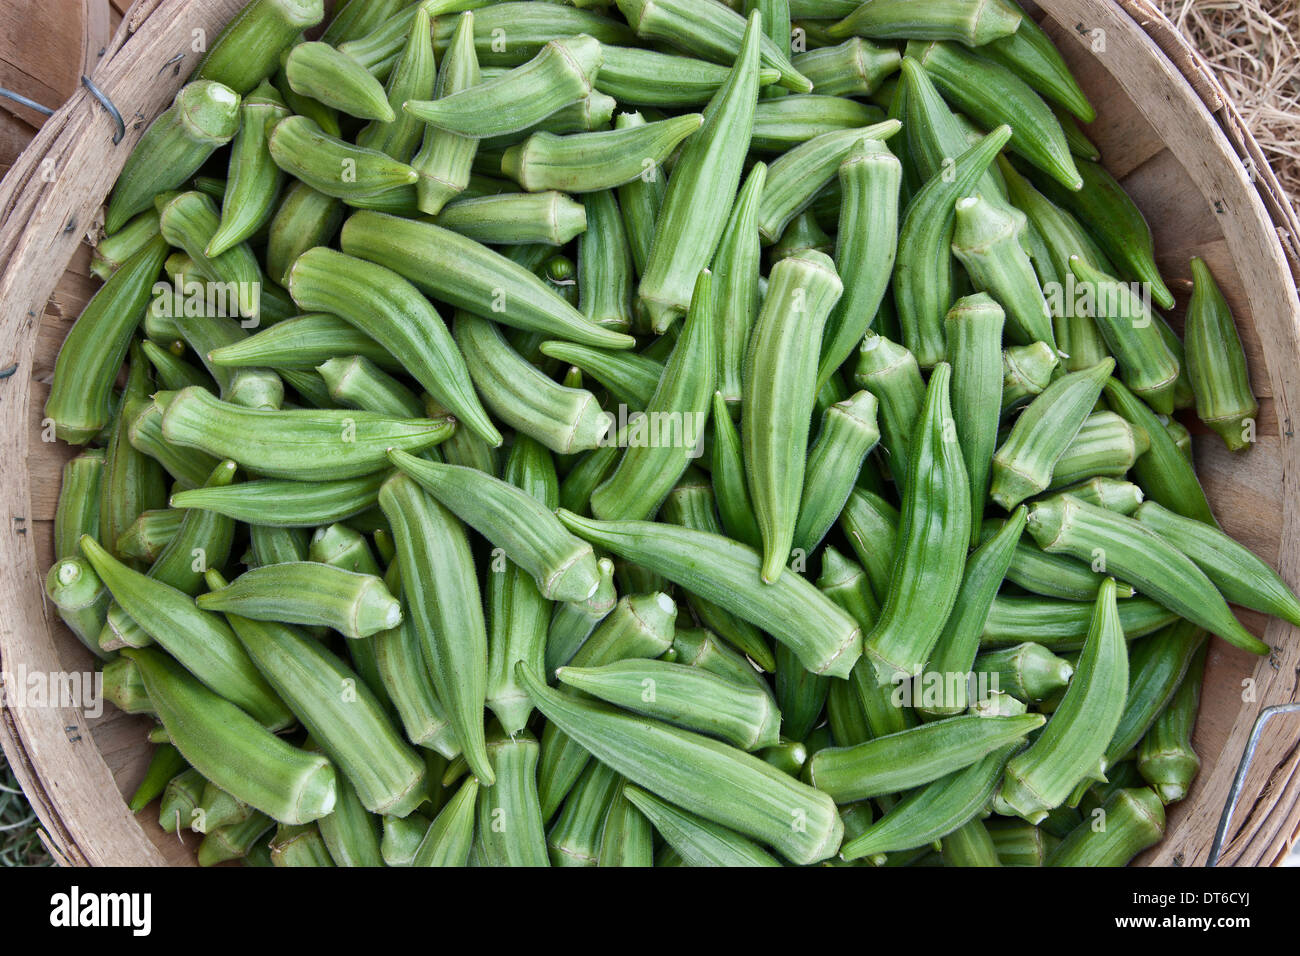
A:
(1139, 556)
(939, 809)
(855, 67)
(560, 74)
(727, 574)
(1240, 576)
(203, 117)
(1122, 497)
(1134, 820)
(165, 763)
(1164, 473)
(700, 842)
(319, 71)
(572, 623)
(640, 200)
(590, 162)
(351, 832)
(509, 814)
(111, 251)
(332, 166)
(628, 838)
(549, 218)
(200, 641)
(304, 219)
(972, 22)
(605, 277)
(81, 598)
(1027, 371)
(783, 122)
(736, 276)
(711, 31)
(923, 266)
(729, 479)
(871, 525)
(414, 76)
(254, 181)
(1216, 363)
(288, 504)
(454, 269)
(179, 800)
(848, 433)
(565, 420)
(992, 95)
(92, 353)
(1165, 757)
(450, 836)
(77, 512)
(710, 166)
(988, 241)
(953, 659)
(299, 444)
(1106, 445)
(302, 342)
(574, 838)
(933, 533)
(1132, 332)
(800, 694)
(891, 373)
(779, 388)
(870, 179)
(1062, 625)
(1023, 465)
(386, 308)
(686, 696)
(445, 158)
(1030, 53)
(1028, 672)
(644, 77)
(442, 596)
(629, 377)
(913, 757)
(357, 382)
(745, 793)
(1158, 666)
(234, 842)
(232, 749)
(248, 49)
(651, 466)
(973, 330)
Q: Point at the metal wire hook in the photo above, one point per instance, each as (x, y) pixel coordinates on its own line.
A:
(104, 101)
(24, 101)
(1216, 848)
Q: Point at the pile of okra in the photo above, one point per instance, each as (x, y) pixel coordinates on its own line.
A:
(649, 432)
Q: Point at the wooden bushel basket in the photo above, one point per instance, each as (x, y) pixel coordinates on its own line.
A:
(1166, 130)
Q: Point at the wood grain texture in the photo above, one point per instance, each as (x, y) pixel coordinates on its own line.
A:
(1166, 131)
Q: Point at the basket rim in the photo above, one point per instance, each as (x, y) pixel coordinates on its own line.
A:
(140, 31)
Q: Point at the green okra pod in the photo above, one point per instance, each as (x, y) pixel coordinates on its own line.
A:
(200, 641)
(550, 218)
(1117, 225)
(1105, 445)
(124, 687)
(179, 800)
(144, 431)
(1166, 758)
(565, 420)
(92, 353)
(449, 838)
(302, 342)
(574, 839)
(414, 76)
(590, 162)
(727, 574)
(1063, 625)
(457, 270)
(1158, 666)
(970, 845)
(248, 49)
(1142, 558)
(1216, 363)
(605, 278)
(319, 71)
(1240, 576)
(987, 240)
(953, 660)
(855, 67)
(848, 433)
(696, 647)
(509, 814)
(339, 710)
(357, 382)
(288, 504)
(203, 117)
(935, 811)
(1132, 332)
(1051, 575)
(386, 308)
(729, 479)
(77, 512)
(351, 832)
(745, 793)
(870, 179)
(572, 623)
(112, 251)
(640, 200)
(922, 271)
(1023, 465)
(1030, 53)
(189, 220)
(971, 22)
(778, 390)
(991, 95)
(217, 809)
(933, 532)
(783, 122)
(913, 757)
(442, 595)
(1164, 473)
(402, 837)
(1027, 370)
(237, 841)
(644, 77)
(304, 219)
(710, 166)
(649, 468)
(332, 166)
(560, 74)
(628, 838)
(231, 749)
(343, 443)
(709, 30)
(891, 373)
(164, 764)
(871, 524)
(973, 330)
(800, 695)
(1029, 672)
(81, 598)
(1122, 497)
(254, 181)
(686, 696)
(699, 841)
(563, 565)
(1135, 820)
(736, 275)
(445, 158)
(802, 235)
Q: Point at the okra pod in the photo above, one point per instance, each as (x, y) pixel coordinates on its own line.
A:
(855, 67)
(351, 832)
(1122, 497)
(729, 479)
(149, 534)
(442, 596)
(254, 181)
(287, 504)
(1027, 370)
(640, 201)
(1031, 54)
(848, 433)
(973, 330)
(1106, 445)
(1166, 758)
(628, 838)
(332, 166)
(1158, 666)
(217, 809)
(698, 841)
(1063, 625)
(572, 623)
(413, 76)
(305, 219)
(357, 382)
(1023, 465)
(1134, 820)
(550, 218)
(972, 22)
(605, 276)
(165, 763)
(509, 814)
(248, 49)
(449, 838)
(304, 342)
(179, 800)
(1027, 671)
(736, 274)
(445, 158)
(1216, 363)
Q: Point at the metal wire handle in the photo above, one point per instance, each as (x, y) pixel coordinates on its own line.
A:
(1243, 768)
